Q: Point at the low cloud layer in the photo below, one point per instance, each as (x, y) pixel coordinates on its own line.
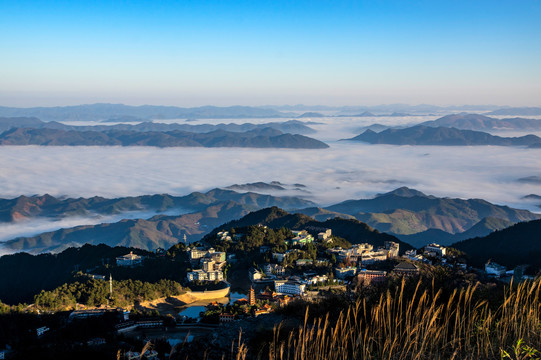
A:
(347, 170)
(40, 225)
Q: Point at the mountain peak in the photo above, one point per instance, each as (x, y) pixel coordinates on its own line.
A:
(404, 191)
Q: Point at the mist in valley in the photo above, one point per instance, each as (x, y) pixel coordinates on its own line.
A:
(346, 170)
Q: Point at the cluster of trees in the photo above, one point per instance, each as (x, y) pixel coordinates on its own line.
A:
(251, 238)
(94, 293)
(25, 275)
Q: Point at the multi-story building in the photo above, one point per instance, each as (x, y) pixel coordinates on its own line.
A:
(226, 317)
(202, 275)
(217, 256)
(289, 287)
(130, 259)
(342, 273)
(412, 255)
(196, 253)
(301, 238)
(435, 250)
(315, 279)
(273, 269)
(254, 274)
(208, 265)
(370, 276)
(324, 236)
(371, 257)
(491, 268)
(393, 248)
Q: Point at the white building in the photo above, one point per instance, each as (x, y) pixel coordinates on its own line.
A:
(435, 250)
(342, 273)
(412, 255)
(195, 253)
(324, 235)
(202, 275)
(491, 268)
(315, 279)
(254, 274)
(289, 287)
(130, 259)
(393, 248)
(208, 265)
(371, 257)
(273, 269)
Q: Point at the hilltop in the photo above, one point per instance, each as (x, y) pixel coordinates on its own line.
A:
(290, 126)
(443, 136)
(482, 122)
(352, 230)
(406, 211)
(257, 138)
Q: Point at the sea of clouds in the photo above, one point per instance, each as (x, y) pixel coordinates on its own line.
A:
(346, 170)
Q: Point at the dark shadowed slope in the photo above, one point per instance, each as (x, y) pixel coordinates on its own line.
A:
(516, 245)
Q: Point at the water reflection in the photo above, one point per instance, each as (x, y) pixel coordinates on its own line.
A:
(193, 310)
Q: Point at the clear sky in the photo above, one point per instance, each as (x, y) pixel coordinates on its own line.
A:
(191, 53)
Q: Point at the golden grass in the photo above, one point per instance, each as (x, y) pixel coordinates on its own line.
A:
(420, 327)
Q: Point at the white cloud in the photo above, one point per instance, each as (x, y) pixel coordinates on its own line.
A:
(346, 170)
(40, 225)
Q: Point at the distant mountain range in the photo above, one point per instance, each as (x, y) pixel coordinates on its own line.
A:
(120, 112)
(422, 109)
(482, 122)
(291, 126)
(521, 111)
(311, 114)
(420, 219)
(208, 211)
(516, 245)
(482, 228)
(47, 206)
(443, 136)
(95, 112)
(407, 214)
(258, 138)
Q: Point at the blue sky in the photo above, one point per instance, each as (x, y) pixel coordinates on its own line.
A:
(191, 53)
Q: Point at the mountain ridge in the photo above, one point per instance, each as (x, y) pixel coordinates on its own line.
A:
(27, 207)
(442, 136)
(405, 211)
(290, 126)
(103, 111)
(258, 138)
(479, 122)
